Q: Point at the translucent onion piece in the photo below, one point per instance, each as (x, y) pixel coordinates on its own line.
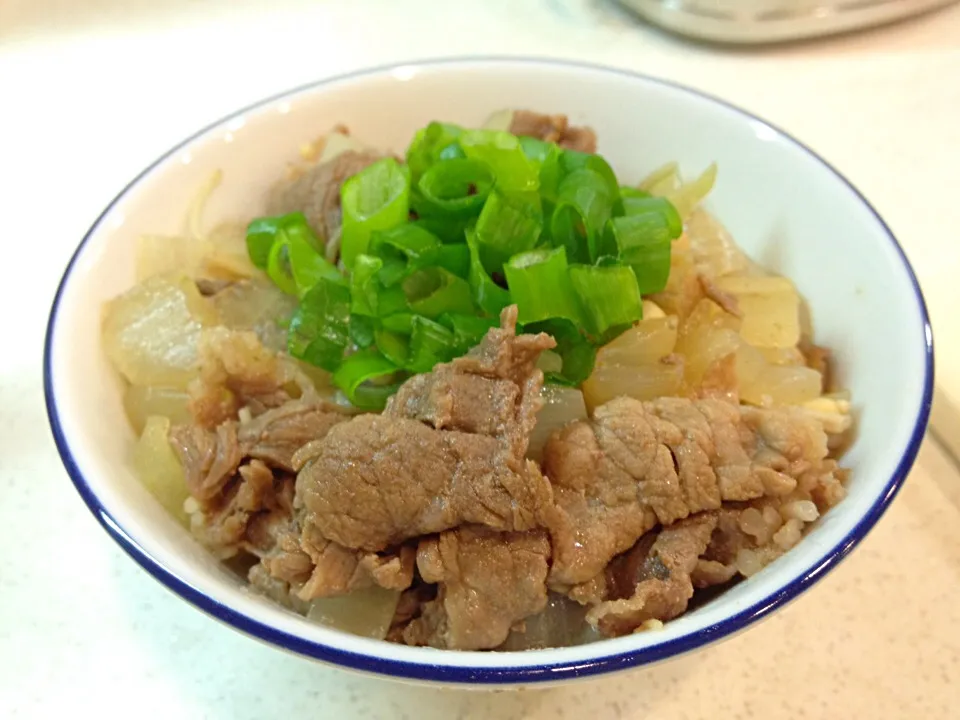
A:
(142, 401)
(158, 469)
(560, 624)
(561, 405)
(150, 332)
(770, 307)
(366, 612)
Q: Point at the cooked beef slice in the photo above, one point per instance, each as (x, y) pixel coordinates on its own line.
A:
(657, 577)
(378, 480)
(277, 434)
(237, 371)
(316, 193)
(223, 524)
(209, 458)
(338, 570)
(253, 410)
(707, 573)
(449, 399)
(553, 128)
(634, 464)
(488, 581)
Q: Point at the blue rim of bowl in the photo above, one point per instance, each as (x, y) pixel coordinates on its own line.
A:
(493, 675)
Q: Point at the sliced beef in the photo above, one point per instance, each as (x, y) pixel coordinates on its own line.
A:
(488, 581)
(708, 573)
(449, 399)
(378, 480)
(553, 128)
(657, 577)
(237, 371)
(209, 457)
(635, 464)
(598, 513)
(254, 410)
(316, 193)
(277, 434)
(338, 570)
(223, 523)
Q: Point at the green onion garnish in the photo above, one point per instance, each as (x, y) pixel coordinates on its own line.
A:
(540, 285)
(455, 188)
(367, 378)
(320, 328)
(609, 296)
(376, 198)
(474, 220)
(584, 204)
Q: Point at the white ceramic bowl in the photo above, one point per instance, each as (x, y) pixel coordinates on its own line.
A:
(785, 206)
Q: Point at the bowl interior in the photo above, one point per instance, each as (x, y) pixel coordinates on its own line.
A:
(782, 204)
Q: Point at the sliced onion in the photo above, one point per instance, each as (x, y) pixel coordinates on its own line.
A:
(367, 612)
(561, 405)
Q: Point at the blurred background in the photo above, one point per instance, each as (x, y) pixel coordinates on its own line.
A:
(92, 91)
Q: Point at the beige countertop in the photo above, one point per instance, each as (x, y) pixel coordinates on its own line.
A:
(93, 91)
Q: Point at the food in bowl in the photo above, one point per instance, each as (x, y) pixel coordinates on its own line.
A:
(480, 397)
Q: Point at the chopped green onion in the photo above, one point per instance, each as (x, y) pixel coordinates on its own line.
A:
(401, 322)
(584, 204)
(410, 242)
(456, 187)
(662, 206)
(447, 228)
(468, 330)
(278, 267)
(474, 221)
(376, 198)
(437, 141)
(455, 259)
(514, 171)
(627, 193)
(508, 224)
(539, 282)
(362, 328)
(394, 346)
(643, 242)
(320, 328)
(403, 249)
(609, 296)
(551, 173)
(572, 160)
(292, 262)
(369, 295)
(434, 291)
(262, 232)
(367, 378)
(307, 265)
(576, 351)
(430, 343)
(489, 297)
(536, 149)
